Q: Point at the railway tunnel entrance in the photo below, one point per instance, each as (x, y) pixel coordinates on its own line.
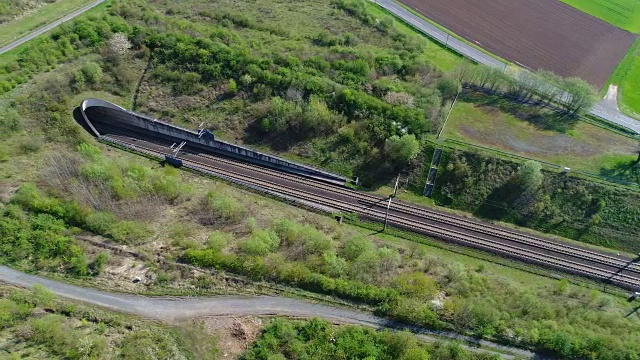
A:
(112, 123)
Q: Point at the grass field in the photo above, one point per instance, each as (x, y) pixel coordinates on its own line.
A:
(627, 77)
(13, 30)
(582, 147)
(624, 14)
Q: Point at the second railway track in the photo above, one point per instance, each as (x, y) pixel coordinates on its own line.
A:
(525, 247)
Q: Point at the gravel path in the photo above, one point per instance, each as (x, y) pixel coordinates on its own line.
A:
(176, 309)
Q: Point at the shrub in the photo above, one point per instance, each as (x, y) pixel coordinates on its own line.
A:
(302, 240)
(92, 72)
(417, 285)
(216, 208)
(449, 88)
(356, 246)
(402, 149)
(218, 240)
(260, 243)
(99, 263)
(30, 145)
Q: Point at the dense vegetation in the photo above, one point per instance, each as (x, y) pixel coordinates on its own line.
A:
(341, 95)
(569, 206)
(36, 325)
(40, 241)
(317, 339)
(412, 286)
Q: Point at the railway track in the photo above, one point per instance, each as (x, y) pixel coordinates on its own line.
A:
(488, 229)
(536, 250)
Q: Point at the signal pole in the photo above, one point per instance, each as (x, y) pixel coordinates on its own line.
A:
(395, 192)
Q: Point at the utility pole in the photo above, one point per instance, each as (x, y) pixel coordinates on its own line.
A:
(395, 192)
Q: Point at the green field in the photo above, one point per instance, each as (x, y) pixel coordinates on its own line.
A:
(583, 147)
(13, 30)
(627, 77)
(624, 14)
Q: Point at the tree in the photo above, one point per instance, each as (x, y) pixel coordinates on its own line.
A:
(581, 96)
(547, 90)
(449, 88)
(530, 175)
(119, 44)
(401, 149)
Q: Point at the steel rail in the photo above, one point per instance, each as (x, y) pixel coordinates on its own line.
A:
(454, 220)
(411, 224)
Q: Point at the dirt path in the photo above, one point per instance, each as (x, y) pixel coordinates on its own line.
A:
(177, 309)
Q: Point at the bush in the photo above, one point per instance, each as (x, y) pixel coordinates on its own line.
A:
(92, 72)
(10, 122)
(30, 145)
(402, 149)
(40, 241)
(218, 240)
(449, 88)
(99, 263)
(217, 209)
(356, 246)
(260, 243)
(417, 285)
(302, 241)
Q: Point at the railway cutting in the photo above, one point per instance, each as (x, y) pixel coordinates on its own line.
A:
(326, 192)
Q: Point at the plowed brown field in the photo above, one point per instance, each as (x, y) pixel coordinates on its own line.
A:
(539, 34)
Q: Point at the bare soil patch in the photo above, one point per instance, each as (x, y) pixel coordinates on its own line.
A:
(234, 334)
(541, 34)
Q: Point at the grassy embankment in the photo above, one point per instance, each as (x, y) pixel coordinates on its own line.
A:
(27, 20)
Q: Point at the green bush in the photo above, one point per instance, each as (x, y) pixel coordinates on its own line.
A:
(12, 313)
(302, 241)
(260, 243)
(356, 246)
(218, 240)
(102, 223)
(318, 339)
(216, 208)
(39, 240)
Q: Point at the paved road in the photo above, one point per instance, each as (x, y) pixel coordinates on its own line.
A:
(176, 309)
(601, 109)
(48, 27)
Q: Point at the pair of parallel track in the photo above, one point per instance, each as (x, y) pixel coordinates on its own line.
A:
(522, 246)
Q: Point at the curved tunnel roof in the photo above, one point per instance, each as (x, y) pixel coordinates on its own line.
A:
(121, 114)
(92, 102)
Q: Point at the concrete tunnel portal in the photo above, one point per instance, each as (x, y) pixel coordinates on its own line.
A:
(106, 120)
